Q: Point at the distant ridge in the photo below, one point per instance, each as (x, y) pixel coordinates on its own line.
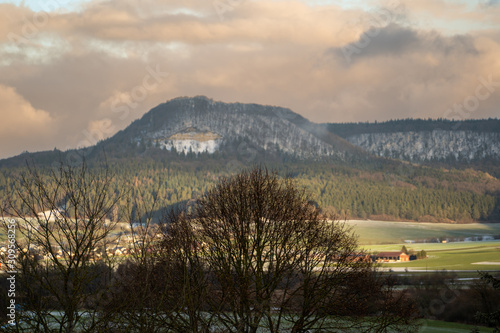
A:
(417, 140)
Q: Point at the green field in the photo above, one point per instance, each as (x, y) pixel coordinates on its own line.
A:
(383, 232)
(435, 326)
(466, 256)
(377, 236)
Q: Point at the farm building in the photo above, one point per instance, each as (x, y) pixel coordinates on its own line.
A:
(51, 215)
(391, 256)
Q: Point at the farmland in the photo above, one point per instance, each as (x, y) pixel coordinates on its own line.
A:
(452, 256)
(378, 236)
(383, 232)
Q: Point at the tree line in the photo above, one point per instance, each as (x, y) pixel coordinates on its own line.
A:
(410, 192)
(415, 125)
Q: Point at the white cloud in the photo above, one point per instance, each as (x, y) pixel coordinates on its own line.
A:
(22, 125)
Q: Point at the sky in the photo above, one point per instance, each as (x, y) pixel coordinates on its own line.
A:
(73, 72)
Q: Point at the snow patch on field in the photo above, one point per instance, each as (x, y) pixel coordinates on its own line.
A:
(486, 263)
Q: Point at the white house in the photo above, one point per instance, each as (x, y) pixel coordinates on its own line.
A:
(51, 215)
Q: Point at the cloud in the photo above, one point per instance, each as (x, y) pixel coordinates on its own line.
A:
(396, 41)
(86, 70)
(98, 130)
(22, 125)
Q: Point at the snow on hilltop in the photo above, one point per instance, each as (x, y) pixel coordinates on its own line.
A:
(200, 124)
(431, 145)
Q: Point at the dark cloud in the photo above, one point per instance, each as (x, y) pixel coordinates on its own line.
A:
(395, 40)
(493, 2)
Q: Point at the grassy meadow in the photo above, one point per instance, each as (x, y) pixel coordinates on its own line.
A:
(378, 236)
(383, 232)
(436, 326)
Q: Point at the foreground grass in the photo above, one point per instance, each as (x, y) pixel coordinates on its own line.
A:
(427, 326)
(331, 324)
(436, 326)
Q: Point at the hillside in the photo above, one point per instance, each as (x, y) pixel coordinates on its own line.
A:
(201, 125)
(178, 150)
(418, 140)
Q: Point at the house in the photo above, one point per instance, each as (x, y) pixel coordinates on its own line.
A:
(391, 256)
(404, 257)
(51, 215)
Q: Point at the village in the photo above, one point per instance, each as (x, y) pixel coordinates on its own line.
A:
(128, 239)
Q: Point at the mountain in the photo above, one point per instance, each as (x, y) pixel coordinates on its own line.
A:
(200, 125)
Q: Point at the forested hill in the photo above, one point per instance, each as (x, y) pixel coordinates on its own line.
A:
(395, 192)
(414, 125)
(201, 125)
(178, 150)
(454, 143)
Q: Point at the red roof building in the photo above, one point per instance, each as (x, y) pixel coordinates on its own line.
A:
(391, 256)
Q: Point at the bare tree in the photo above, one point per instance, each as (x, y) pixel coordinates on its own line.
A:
(261, 257)
(137, 301)
(62, 232)
(486, 289)
(251, 254)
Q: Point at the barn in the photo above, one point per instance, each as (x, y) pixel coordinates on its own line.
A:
(391, 256)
